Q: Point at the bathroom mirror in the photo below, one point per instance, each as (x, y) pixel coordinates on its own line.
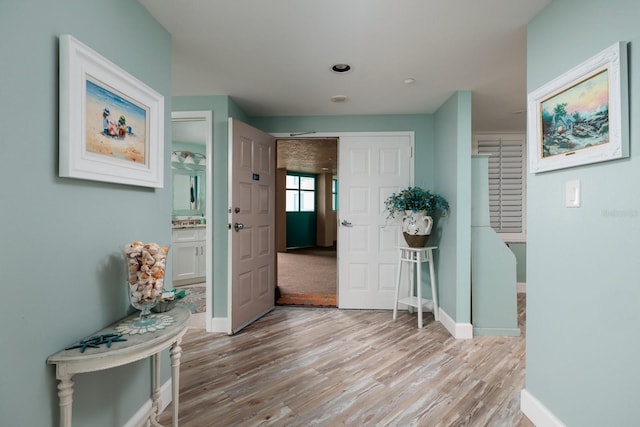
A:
(188, 193)
(189, 166)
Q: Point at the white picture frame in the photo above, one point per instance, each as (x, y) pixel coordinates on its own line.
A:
(111, 124)
(582, 116)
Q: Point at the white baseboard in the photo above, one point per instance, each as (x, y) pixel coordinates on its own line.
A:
(141, 417)
(457, 330)
(537, 412)
(165, 395)
(493, 332)
(218, 324)
(522, 287)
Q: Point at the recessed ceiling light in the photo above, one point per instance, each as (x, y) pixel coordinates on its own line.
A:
(340, 68)
(409, 80)
(339, 98)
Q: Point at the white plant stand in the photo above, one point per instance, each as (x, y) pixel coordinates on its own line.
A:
(414, 257)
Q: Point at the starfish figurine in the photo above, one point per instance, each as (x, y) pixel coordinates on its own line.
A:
(96, 341)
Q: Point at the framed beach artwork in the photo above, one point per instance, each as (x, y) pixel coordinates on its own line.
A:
(581, 117)
(111, 124)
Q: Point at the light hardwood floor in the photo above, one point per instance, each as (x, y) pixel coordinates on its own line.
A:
(329, 367)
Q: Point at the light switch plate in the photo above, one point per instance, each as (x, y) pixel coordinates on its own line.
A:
(572, 194)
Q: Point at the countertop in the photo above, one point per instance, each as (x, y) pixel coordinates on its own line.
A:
(187, 223)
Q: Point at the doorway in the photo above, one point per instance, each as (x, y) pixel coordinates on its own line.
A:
(191, 219)
(306, 221)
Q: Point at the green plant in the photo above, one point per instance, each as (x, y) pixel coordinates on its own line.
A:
(415, 199)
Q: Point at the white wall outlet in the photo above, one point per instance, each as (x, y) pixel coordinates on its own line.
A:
(572, 194)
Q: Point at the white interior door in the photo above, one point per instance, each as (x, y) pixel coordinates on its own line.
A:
(252, 219)
(371, 168)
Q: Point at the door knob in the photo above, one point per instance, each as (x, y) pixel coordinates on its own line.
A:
(346, 223)
(238, 226)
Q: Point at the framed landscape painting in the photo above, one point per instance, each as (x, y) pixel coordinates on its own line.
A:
(581, 117)
(111, 124)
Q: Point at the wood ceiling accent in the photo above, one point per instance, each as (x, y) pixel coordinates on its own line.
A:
(309, 155)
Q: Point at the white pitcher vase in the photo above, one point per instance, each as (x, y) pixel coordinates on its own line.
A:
(416, 228)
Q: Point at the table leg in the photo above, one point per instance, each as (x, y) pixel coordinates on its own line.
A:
(419, 286)
(434, 287)
(65, 396)
(176, 353)
(395, 305)
(412, 264)
(155, 384)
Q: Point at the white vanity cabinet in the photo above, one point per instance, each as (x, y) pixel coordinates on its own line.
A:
(189, 255)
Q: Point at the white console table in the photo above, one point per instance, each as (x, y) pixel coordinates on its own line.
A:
(414, 257)
(137, 347)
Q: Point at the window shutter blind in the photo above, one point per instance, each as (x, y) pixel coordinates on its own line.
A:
(506, 182)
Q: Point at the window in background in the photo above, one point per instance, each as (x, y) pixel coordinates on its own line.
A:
(334, 194)
(301, 192)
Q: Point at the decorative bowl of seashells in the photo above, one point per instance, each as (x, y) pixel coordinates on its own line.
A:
(146, 264)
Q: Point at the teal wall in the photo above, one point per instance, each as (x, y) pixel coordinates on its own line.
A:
(582, 263)
(494, 305)
(452, 165)
(520, 252)
(63, 274)
(301, 229)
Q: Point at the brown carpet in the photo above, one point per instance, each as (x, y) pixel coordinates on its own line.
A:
(307, 277)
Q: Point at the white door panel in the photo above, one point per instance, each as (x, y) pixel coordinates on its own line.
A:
(371, 168)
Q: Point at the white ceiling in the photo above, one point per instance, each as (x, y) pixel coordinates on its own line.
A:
(274, 57)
